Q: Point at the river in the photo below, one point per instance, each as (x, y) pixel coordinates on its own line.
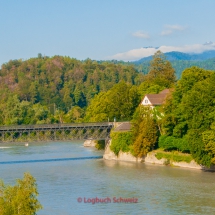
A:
(61, 184)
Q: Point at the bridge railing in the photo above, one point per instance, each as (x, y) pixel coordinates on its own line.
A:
(59, 125)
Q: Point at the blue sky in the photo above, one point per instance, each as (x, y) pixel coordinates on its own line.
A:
(113, 29)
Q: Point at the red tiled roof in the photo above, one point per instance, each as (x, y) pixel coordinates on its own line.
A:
(157, 99)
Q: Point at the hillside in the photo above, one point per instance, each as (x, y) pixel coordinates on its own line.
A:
(61, 80)
(181, 61)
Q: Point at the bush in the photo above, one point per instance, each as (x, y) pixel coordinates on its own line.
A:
(171, 143)
(100, 144)
(120, 141)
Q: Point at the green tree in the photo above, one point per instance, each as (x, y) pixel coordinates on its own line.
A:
(190, 112)
(208, 138)
(145, 132)
(20, 198)
(149, 88)
(120, 102)
(120, 141)
(161, 71)
(75, 114)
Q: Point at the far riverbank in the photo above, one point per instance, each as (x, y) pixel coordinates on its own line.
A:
(152, 158)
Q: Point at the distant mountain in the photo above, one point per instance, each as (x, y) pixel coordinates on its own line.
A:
(171, 56)
(180, 61)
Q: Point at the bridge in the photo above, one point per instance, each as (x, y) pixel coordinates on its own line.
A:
(53, 132)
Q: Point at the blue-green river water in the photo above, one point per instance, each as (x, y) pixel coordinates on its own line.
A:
(158, 189)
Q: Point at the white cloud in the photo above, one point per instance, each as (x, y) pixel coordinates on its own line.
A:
(141, 34)
(176, 27)
(170, 29)
(166, 32)
(136, 54)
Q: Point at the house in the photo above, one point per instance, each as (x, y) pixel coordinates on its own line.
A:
(153, 100)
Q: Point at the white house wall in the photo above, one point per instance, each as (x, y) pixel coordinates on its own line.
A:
(146, 102)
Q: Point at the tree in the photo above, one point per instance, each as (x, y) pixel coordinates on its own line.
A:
(161, 71)
(149, 88)
(39, 55)
(75, 114)
(120, 102)
(20, 198)
(208, 138)
(145, 132)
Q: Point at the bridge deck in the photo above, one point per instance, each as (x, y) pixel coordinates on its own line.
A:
(70, 131)
(55, 126)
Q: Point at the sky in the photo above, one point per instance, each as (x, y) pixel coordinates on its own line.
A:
(104, 30)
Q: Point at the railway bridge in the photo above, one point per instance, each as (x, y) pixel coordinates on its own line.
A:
(47, 132)
(54, 132)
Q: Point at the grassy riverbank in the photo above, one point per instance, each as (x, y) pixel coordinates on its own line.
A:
(173, 156)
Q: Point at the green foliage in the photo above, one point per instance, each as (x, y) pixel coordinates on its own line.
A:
(208, 138)
(119, 102)
(161, 71)
(179, 65)
(149, 88)
(20, 198)
(62, 80)
(75, 114)
(171, 143)
(120, 141)
(13, 111)
(190, 111)
(62, 88)
(145, 132)
(174, 156)
(100, 144)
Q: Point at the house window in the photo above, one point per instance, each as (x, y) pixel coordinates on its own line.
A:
(146, 101)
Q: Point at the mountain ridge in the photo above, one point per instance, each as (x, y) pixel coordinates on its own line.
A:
(174, 55)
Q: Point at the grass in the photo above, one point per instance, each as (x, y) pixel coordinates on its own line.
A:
(173, 156)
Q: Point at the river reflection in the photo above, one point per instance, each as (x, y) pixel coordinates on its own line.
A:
(159, 189)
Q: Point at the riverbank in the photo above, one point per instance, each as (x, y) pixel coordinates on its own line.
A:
(152, 159)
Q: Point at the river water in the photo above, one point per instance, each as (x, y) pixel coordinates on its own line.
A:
(158, 189)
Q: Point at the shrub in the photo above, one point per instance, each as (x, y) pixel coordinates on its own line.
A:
(171, 143)
(100, 144)
(120, 141)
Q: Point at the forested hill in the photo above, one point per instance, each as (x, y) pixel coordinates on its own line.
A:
(180, 61)
(61, 81)
(171, 56)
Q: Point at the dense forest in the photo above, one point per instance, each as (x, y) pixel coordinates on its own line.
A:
(42, 90)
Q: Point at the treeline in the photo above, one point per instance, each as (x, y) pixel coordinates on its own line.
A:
(63, 90)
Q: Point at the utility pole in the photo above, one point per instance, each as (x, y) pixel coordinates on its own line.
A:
(54, 108)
